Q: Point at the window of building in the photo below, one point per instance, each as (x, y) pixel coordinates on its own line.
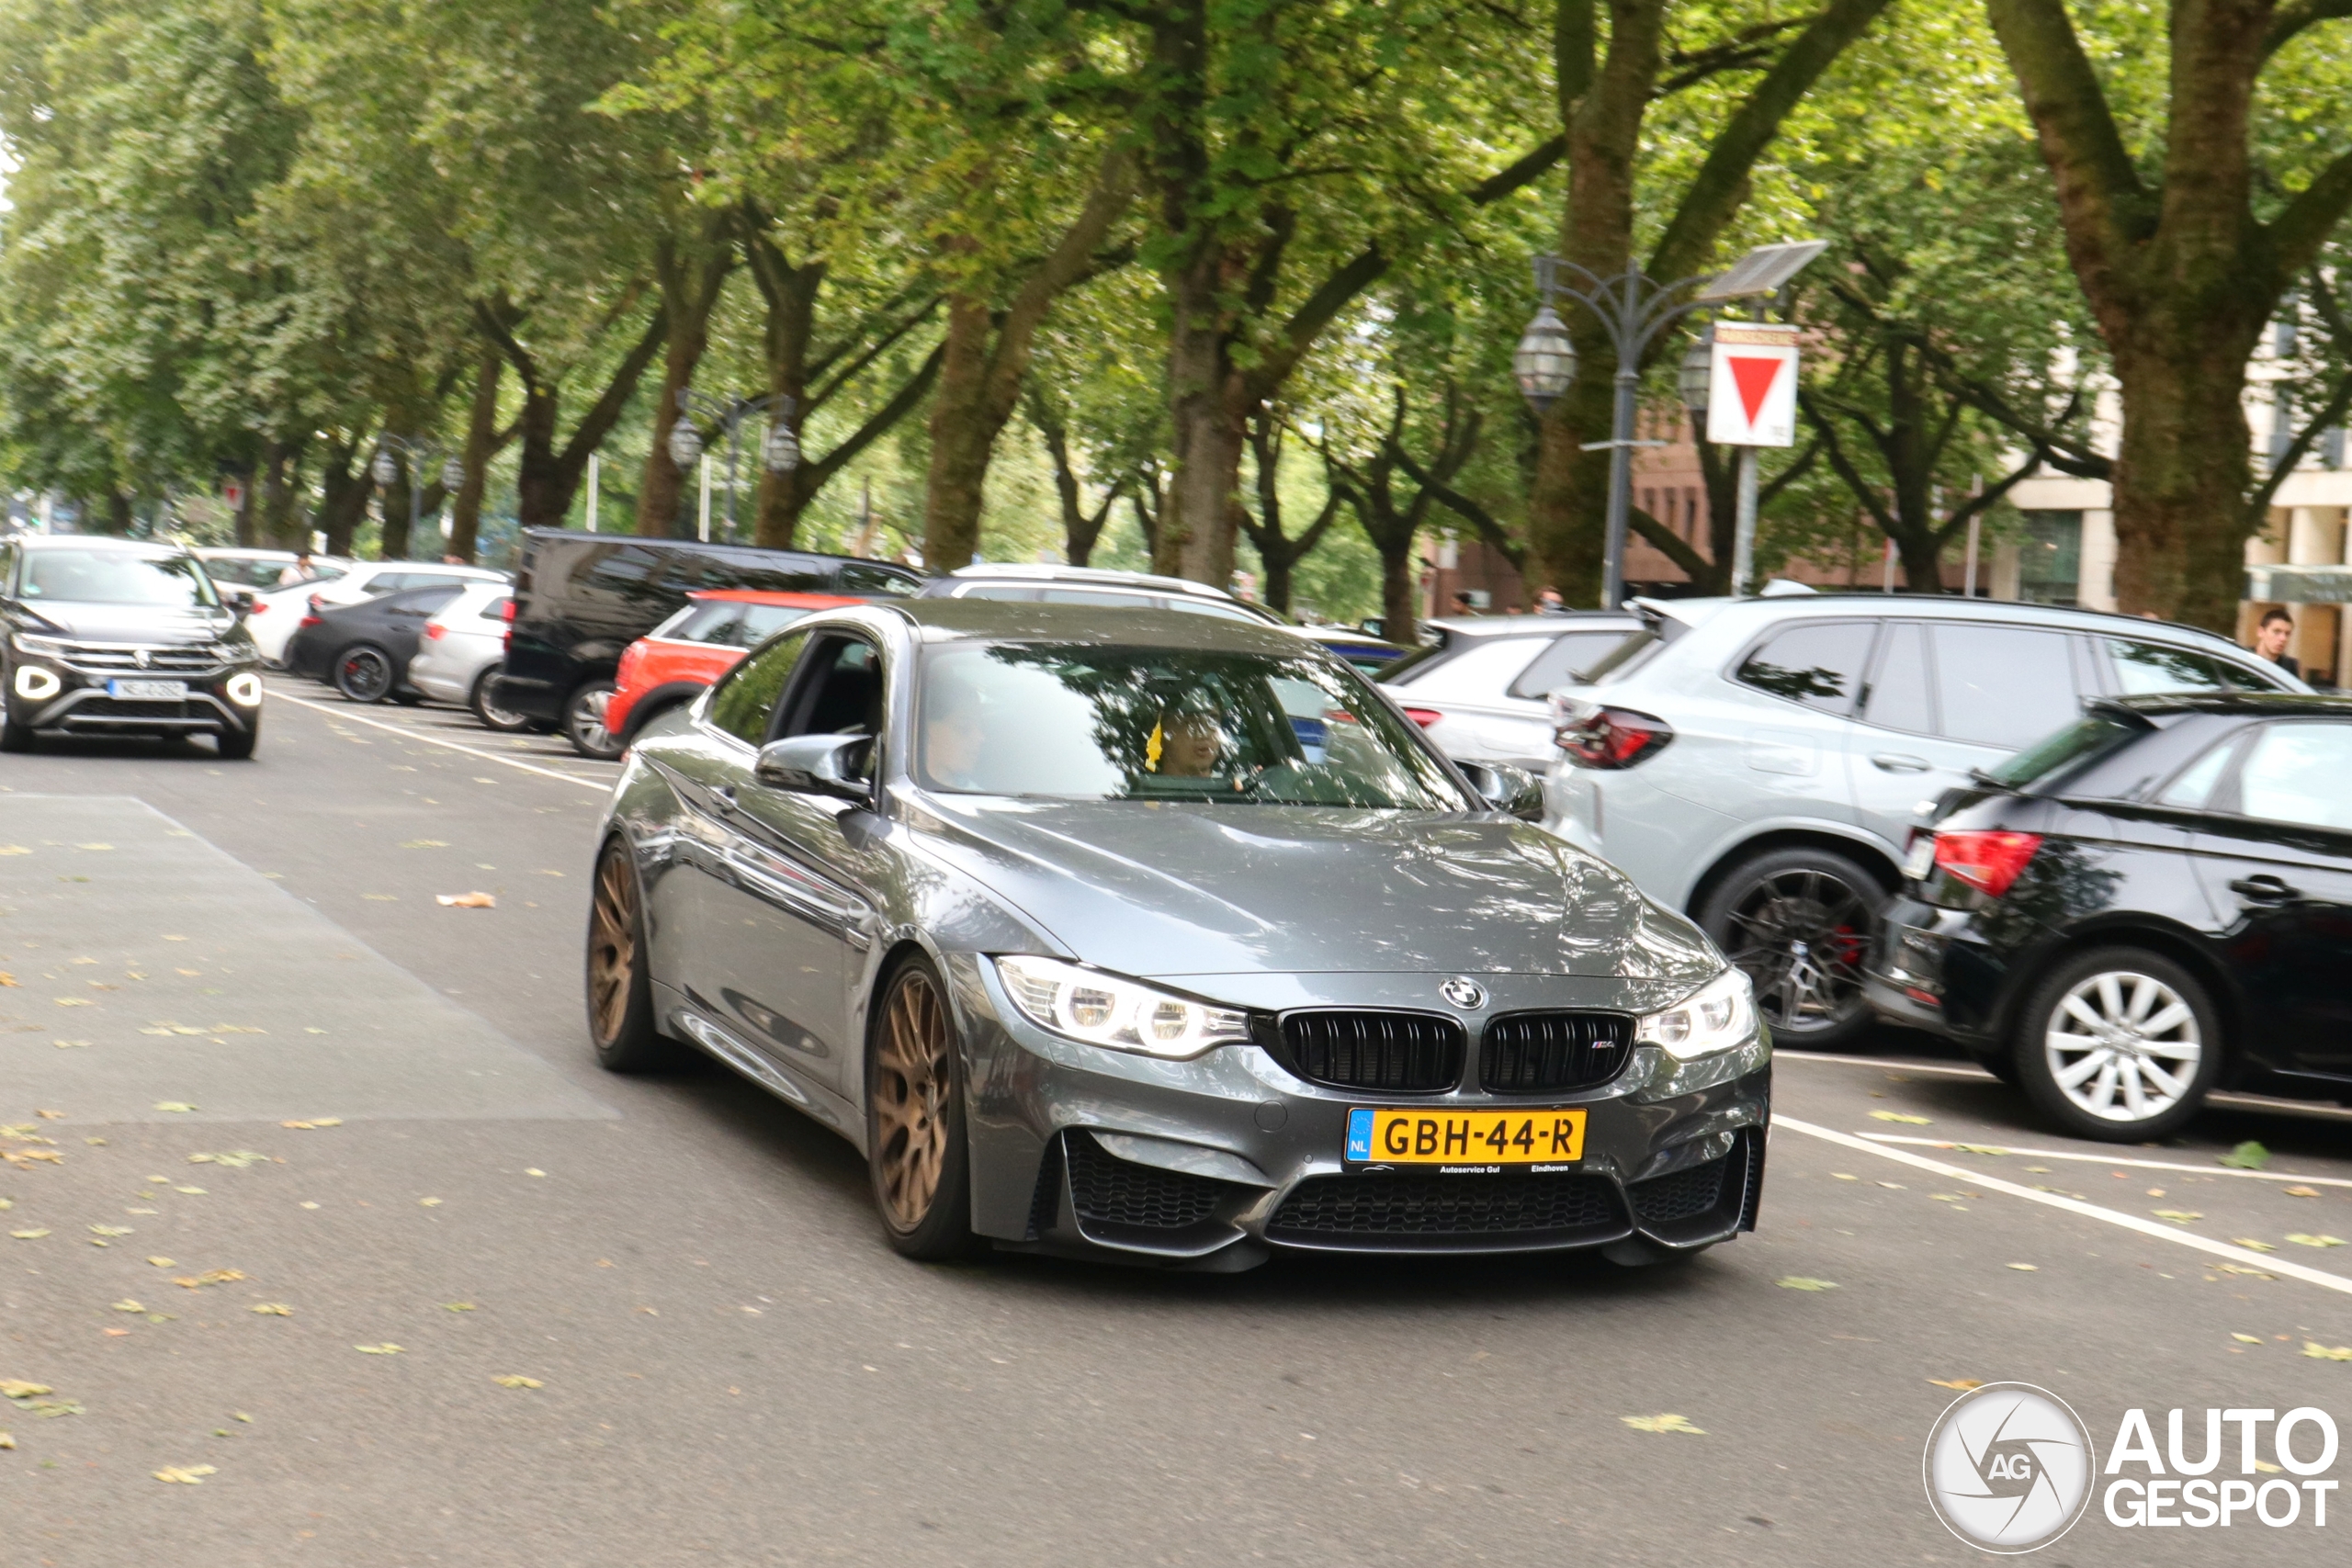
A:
(2050, 558)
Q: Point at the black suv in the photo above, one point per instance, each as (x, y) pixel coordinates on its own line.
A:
(580, 599)
(2150, 904)
(112, 637)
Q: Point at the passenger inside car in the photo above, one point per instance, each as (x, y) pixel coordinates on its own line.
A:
(1189, 745)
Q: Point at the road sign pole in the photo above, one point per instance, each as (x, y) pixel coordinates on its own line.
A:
(1743, 536)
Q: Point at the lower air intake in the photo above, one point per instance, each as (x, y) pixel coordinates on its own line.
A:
(1438, 1212)
(1106, 1190)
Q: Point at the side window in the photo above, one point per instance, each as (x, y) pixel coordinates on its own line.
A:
(1563, 661)
(1898, 696)
(841, 694)
(2003, 685)
(2193, 789)
(2141, 668)
(385, 583)
(1811, 663)
(2294, 771)
(747, 695)
(864, 577)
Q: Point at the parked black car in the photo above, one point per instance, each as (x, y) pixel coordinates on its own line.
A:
(2148, 904)
(110, 637)
(580, 599)
(363, 651)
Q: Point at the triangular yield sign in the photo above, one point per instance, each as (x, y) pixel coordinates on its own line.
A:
(1753, 377)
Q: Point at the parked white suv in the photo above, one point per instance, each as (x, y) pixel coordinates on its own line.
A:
(1480, 689)
(1761, 762)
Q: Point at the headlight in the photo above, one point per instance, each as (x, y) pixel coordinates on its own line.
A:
(1718, 1016)
(36, 684)
(244, 689)
(41, 646)
(1103, 1009)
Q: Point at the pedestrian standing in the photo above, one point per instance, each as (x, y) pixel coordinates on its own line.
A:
(2270, 638)
(1549, 602)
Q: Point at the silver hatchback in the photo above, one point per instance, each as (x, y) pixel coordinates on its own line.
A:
(1761, 762)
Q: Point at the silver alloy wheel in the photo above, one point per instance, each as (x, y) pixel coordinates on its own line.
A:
(586, 721)
(2123, 1047)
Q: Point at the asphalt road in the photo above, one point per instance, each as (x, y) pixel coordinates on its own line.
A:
(725, 1364)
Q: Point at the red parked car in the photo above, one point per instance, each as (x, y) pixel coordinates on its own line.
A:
(672, 663)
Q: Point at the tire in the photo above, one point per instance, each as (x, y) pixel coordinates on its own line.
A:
(506, 721)
(1798, 920)
(917, 1154)
(408, 697)
(583, 723)
(619, 989)
(238, 748)
(2089, 1021)
(363, 674)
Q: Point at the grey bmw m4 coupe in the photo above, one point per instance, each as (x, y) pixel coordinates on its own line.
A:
(1168, 939)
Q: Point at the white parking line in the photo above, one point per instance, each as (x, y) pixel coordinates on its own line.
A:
(603, 786)
(2260, 1262)
(2105, 1159)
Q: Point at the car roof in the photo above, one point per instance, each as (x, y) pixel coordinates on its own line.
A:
(1021, 620)
(238, 552)
(98, 542)
(1049, 571)
(1535, 626)
(2268, 705)
(774, 596)
(1831, 606)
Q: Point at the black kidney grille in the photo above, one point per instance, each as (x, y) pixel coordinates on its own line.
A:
(1683, 1195)
(1442, 1208)
(1399, 1052)
(1113, 1191)
(1536, 1053)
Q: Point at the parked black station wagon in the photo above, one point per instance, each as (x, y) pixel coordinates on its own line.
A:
(2151, 904)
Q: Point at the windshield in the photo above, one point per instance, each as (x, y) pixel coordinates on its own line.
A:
(2093, 735)
(1083, 723)
(118, 576)
(729, 623)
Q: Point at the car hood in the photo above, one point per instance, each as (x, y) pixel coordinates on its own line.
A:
(1165, 890)
(150, 624)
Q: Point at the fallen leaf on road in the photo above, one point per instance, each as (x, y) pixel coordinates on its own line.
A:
(381, 898)
(1898, 1116)
(387, 1349)
(127, 1304)
(49, 1409)
(2251, 1245)
(425, 844)
(1964, 1385)
(515, 1379)
(2027, 1268)
(1800, 1283)
(94, 846)
(2302, 1239)
(12, 1389)
(1663, 1424)
(2177, 1216)
(163, 1262)
(466, 900)
(110, 1230)
(2300, 1192)
(458, 1307)
(2247, 1338)
(2248, 1273)
(15, 848)
(50, 1115)
(2319, 1352)
(186, 1475)
(428, 1202)
(75, 1002)
(236, 1159)
(191, 1192)
(6, 978)
(2248, 1156)
(1891, 1186)
(534, 1170)
(174, 1105)
(2155, 1191)
(28, 1235)
(1844, 1176)
(7, 1441)
(274, 1309)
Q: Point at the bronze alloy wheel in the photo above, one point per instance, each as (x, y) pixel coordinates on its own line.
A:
(620, 997)
(915, 1120)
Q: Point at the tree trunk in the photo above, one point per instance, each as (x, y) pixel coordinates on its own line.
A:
(343, 493)
(691, 279)
(2181, 472)
(281, 528)
(241, 524)
(394, 540)
(481, 445)
(961, 437)
(547, 475)
(791, 295)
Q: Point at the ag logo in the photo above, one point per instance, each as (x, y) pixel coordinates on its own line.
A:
(1463, 993)
(2008, 1467)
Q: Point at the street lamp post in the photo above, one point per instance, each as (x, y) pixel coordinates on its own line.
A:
(386, 469)
(780, 451)
(1633, 310)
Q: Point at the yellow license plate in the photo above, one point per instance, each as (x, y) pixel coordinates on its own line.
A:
(1533, 1136)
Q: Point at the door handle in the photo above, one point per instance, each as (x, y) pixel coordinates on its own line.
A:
(1899, 762)
(2265, 889)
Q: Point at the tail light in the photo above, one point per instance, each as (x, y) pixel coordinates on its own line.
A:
(255, 608)
(506, 614)
(1423, 717)
(1614, 738)
(1986, 861)
(307, 621)
(434, 631)
(317, 602)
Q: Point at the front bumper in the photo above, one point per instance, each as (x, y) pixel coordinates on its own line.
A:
(1218, 1162)
(82, 703)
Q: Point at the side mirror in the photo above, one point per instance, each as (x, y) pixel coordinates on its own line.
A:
(1506, 788)
(818, 764)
